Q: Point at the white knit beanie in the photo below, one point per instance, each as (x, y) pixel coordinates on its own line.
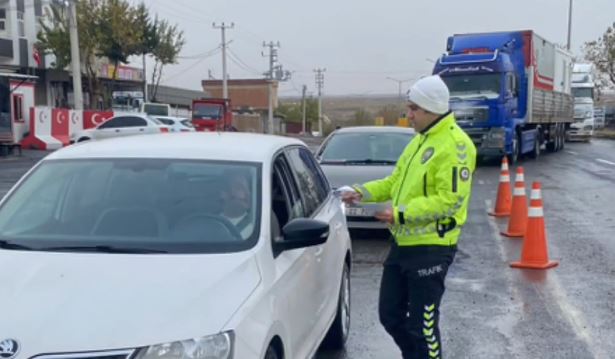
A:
(430, 93)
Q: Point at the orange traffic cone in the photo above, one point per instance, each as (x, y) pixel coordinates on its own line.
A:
(504, 199)
(518, 218)
(534, 253)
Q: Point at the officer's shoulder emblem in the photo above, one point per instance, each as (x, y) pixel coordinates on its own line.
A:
(427, 154)
(464, 174)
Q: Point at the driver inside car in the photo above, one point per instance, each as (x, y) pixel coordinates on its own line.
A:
(237, 203)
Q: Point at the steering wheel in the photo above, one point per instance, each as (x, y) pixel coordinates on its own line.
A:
(218, 220)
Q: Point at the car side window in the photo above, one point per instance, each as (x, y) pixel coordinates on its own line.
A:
(133, 121)
(314, 186)
(115, 122)
(286, 202)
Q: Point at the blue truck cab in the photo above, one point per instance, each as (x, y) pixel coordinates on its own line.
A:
(496, 81)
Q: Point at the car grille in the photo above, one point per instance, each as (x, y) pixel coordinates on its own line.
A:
(119, 354)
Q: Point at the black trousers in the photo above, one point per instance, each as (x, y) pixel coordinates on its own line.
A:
(410, 293)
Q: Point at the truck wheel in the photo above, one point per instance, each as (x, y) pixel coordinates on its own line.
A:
(513, 158)
(536, 151)
(563, 138)
(553, 146)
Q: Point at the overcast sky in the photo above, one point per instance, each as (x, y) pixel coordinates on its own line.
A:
(359, 42)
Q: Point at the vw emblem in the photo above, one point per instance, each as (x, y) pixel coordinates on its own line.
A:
(9, 349)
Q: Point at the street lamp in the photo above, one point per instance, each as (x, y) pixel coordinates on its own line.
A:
(399, 82)
(569, 24)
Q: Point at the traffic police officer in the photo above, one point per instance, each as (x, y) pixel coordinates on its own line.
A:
(429, 190)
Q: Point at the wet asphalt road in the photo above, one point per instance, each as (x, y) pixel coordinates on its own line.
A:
(489, 309)
(493, 311)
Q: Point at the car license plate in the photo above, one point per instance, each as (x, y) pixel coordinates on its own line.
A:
(356, 211)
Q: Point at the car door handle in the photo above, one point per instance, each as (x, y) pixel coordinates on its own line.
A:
(141, 129)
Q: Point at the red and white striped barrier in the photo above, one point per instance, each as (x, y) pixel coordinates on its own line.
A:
(41, 130)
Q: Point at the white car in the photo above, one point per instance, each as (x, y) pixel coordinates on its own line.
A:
(192, 245)
(120, 126)
(177, 124)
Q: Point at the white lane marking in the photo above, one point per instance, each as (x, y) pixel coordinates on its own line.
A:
(481, 182)
(605, 161)
(572, 153)
(510, 319)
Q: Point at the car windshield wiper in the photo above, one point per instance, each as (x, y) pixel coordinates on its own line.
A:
(4, 244)
(370, 161)
(103, 249)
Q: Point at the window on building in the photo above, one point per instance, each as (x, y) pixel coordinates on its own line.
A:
(3, 24)
(21, 24)
(18, 108)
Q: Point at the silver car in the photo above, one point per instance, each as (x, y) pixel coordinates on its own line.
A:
(355, 155)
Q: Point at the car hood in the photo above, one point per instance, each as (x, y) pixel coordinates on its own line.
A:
(340, 175)
(73, 302)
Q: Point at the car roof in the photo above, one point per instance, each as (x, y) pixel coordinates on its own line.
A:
(225, 146)
(175, 118)
(376, 129)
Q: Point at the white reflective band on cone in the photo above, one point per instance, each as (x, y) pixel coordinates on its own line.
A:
(520, 177)
(536, 194)
(535, 212)
(504, 166)
(504, 178)
(519, 191)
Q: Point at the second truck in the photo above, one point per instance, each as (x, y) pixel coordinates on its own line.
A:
(510, 91)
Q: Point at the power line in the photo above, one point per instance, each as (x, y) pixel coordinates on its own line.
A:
(192, 66)
(242, 63)
(201, 55)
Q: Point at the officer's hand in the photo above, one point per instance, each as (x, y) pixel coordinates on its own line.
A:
(385, 216)
(351, 197)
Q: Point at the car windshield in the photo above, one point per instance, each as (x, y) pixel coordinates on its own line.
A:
(460, 85)
(210, 111)
(135, 205)
(368, 147)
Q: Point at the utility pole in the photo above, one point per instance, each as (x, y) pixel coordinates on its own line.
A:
(303, 108)
(320, 82)
(569, 25)
(75, 59)
(275, 73)
(223, 28)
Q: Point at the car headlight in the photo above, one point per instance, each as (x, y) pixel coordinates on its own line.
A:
(219, 346)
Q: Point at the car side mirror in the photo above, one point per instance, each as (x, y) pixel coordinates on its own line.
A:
(301, 233)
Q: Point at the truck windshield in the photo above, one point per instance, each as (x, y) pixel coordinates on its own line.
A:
(156, 110)
(207, 111)
(582, 92)
(460, 85)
